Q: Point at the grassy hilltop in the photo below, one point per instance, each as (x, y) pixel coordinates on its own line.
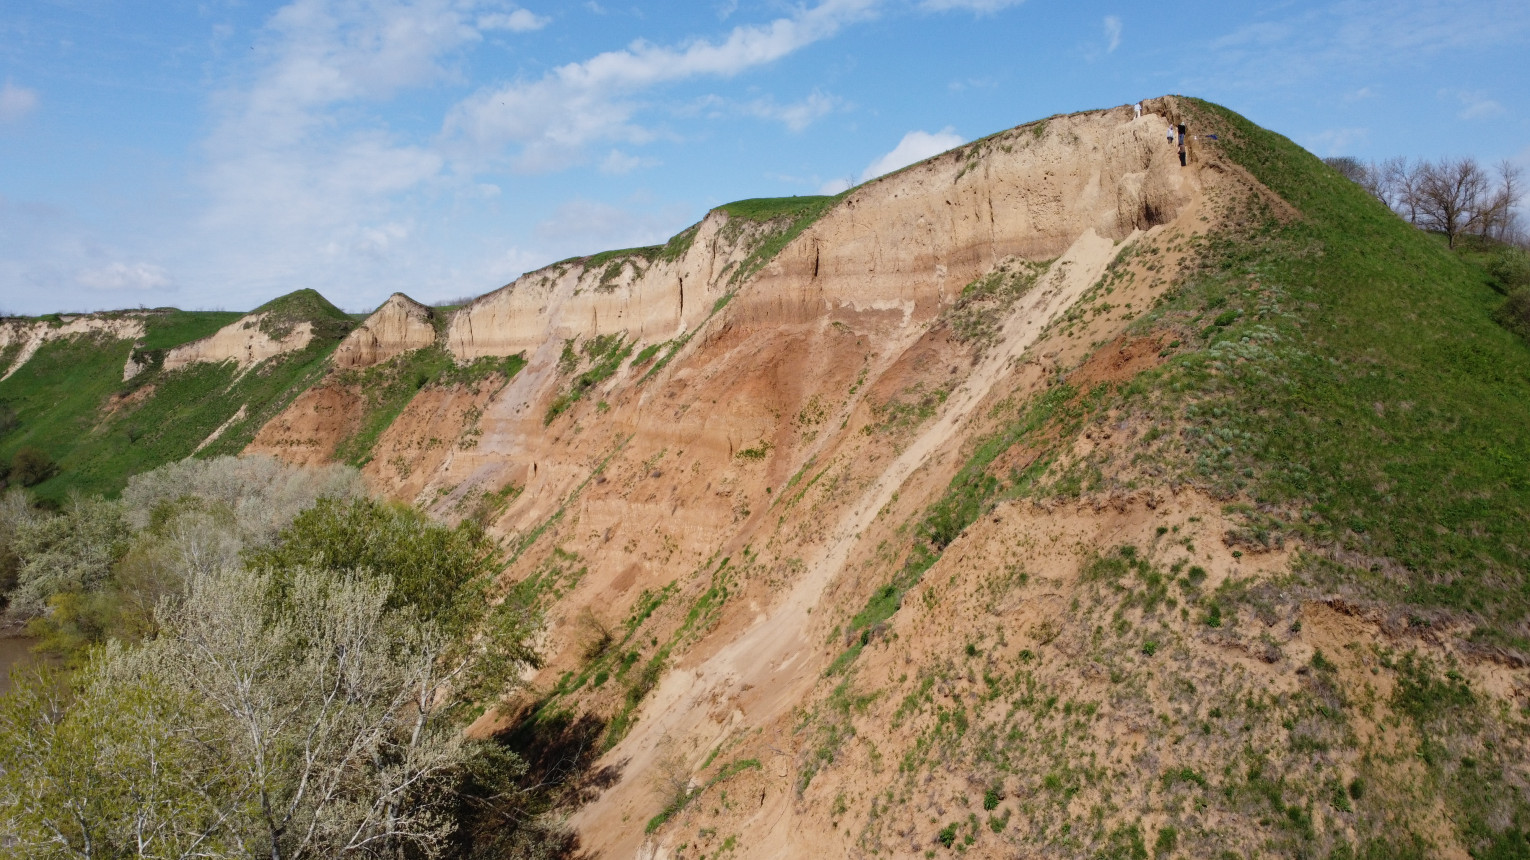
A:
(71, 402)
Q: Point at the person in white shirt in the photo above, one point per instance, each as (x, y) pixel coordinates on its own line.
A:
(1170, 134)
(1137, 110)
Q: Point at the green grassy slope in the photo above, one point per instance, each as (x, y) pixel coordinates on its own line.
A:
(1390, 421)
(64, 396)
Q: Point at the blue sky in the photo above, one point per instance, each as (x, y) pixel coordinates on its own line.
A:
(216, 154)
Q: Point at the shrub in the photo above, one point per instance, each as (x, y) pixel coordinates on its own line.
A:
(947, 836)
(1514, 313)
(429, 565)
(31, 466)
(1510, 269)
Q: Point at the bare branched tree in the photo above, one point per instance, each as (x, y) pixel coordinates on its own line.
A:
(1454, 197)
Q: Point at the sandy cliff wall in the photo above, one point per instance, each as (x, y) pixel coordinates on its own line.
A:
(240, 341)
(651, 298)
(911, 241)
(401, 324)
(29, 336)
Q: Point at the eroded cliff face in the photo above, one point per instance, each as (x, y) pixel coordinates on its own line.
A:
(20, 340)
(244, 342)
(399, 325)
(647, 297)
(908, 243)
(732, 503)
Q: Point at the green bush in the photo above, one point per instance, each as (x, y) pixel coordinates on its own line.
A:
(1510, 269)
(1514, 313)
(31, 466)
(430, 565)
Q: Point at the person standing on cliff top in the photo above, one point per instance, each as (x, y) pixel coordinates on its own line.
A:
(1137, 110)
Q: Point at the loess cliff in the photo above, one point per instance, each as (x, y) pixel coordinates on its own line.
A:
(1050, 497)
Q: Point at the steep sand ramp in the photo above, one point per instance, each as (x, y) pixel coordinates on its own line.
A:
(399, 325)
(774, 654)
(242, 341)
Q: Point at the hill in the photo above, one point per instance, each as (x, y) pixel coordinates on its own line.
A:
(1051, 496)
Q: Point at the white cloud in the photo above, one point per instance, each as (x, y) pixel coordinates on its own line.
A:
(1112, 33)
(548, 121)
(586, 227)
(979, 6)
(298, 172)
(914, 147)
(1356, 36)
(16, 102)
(1474, 104)
(835, 186)
(797, 115)
(519, 21)
(1337, 141)
(617, 162)
(124, 276)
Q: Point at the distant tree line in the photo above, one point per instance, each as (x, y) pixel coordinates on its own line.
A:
(1455, 197)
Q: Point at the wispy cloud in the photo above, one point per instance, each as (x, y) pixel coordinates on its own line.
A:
(979, 6)
(16, 102)
(1112, 33)
(1337, 141)
(1475, 104)
(545, 124)
(617, 162)
(796, 115)
(517, 21)
(1297, 48)
(124, 276)
(914, 147)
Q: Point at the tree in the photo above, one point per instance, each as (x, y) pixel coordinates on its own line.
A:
(290, 722)
(430, 565)
(99, 768)
(1454, 198)
(71, 552)
(1499, 219)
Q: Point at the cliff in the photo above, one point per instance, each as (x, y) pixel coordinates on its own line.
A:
(1047, 497)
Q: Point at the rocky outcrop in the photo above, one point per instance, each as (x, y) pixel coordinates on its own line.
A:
(30, 335)
(242, 341)
(401, 324)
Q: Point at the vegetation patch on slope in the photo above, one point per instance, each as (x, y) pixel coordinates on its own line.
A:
(785, 217)
(389, 386)
(70, 401)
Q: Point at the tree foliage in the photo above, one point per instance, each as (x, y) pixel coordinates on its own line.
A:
(286, 723)
(429, 565)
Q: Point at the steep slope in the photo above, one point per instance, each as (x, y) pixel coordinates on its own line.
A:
(1002, 509)
(1047, 497)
